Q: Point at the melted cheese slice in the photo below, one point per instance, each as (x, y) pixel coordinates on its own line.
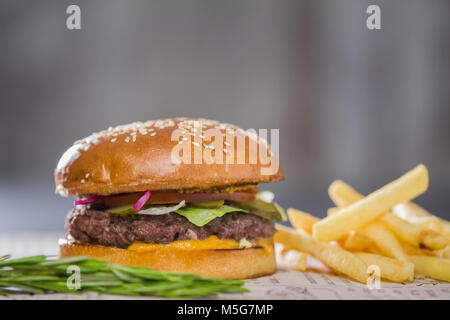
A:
(211, 243)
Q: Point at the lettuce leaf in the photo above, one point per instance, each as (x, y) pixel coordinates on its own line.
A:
(214, 204)
(201, 216)
(158, 210)
(263, 209)
(148, 209)
(126, 209)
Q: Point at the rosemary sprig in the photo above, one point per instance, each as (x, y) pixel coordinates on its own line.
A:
(42, 274)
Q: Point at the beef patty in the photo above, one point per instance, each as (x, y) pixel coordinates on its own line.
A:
(101, 227)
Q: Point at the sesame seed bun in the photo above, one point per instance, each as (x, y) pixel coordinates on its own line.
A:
(138, 157)
(224, 264)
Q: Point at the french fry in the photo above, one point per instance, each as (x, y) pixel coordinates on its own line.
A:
(412, 250)
(334, 257)
(295, 260)
(413, 212)
(374, 249)
(301, 220)
(385, 241)
(414, 234)
(391, 269)
(353, 217)
(356, 241)
(432, 267)
(432, 223)
(444, 253)
(332, 211)
(344, 194)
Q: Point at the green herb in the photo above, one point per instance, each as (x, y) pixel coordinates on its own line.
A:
(41, 274)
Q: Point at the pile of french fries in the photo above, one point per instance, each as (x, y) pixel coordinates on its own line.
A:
(382, 229)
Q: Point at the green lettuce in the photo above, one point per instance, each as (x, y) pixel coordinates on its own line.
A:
(159, 210)
(153, 210)
(263, 209)
(201, 216)
(122, 210)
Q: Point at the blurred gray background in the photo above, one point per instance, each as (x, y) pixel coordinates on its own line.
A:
(364, 106)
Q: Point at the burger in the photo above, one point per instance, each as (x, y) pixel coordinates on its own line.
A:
(144, 199)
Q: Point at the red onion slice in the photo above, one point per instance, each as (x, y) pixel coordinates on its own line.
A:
(89, 200)
(142, 200)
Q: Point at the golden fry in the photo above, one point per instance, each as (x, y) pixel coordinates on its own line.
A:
(355, 216)
(444, 253)
(301, 220)
(432, 223)
(332, 211)
(356, 241)
(415, 235)
(333, 256)
(344, 194)
(412, 250)
(414, 213)
(432, 267)
(385, 241)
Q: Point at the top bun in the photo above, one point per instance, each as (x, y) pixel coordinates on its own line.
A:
(138, 157)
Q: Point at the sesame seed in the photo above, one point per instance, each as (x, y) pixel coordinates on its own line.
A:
(82, 181)
(113, 139)
(127, 139)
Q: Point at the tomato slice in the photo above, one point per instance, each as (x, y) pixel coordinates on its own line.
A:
(163, 197)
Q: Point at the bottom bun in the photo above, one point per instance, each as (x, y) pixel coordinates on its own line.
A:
(221, 263)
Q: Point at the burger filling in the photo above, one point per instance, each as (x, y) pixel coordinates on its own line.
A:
(195, 217)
